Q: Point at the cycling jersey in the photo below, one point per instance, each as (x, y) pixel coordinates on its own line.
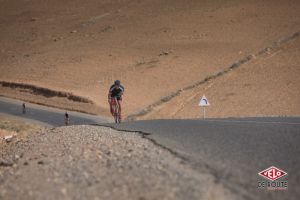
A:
(116, 92)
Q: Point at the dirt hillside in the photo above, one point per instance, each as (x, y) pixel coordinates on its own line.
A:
(154, 47)
(266, 86)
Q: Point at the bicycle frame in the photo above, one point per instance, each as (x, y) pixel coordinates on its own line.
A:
(116, 110)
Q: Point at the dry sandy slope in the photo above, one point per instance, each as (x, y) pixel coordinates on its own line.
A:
(267, 86)
(82, 46)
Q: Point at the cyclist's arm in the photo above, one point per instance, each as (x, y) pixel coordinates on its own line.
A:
(123, 89)
(109, 97)
(110, 93)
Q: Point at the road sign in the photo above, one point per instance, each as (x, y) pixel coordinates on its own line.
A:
(204, 101)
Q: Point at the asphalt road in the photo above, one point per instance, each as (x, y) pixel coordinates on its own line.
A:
(234, 150)
(46, 115)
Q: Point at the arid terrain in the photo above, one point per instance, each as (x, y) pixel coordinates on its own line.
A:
(13, 126)
(244, 55)
(267, 86)
(78, 48)
(86, 162)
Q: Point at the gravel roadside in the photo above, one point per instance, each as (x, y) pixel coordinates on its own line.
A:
(89, 162)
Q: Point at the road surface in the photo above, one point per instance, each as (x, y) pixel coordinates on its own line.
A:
(234, 150)
(46, 115)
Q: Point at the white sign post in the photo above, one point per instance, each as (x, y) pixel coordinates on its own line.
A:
(204, 103)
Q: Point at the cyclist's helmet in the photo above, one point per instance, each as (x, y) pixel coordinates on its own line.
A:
(117, 82)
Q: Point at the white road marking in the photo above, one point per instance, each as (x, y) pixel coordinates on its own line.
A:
(249, 121)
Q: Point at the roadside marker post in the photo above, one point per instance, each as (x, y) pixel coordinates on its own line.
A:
(204, 103)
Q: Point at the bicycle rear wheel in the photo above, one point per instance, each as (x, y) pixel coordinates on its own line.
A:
(116, 118)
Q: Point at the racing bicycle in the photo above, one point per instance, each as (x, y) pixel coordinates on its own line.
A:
(116, 110)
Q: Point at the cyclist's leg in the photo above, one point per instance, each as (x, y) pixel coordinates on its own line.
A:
(111, 108)
(115, 110)
(120, 108)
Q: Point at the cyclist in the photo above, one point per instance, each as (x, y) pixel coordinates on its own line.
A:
(115, 92)
(24, 108)
(67, 119)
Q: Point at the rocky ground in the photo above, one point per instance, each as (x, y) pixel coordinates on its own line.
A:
(17, 127)
(89, 162)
